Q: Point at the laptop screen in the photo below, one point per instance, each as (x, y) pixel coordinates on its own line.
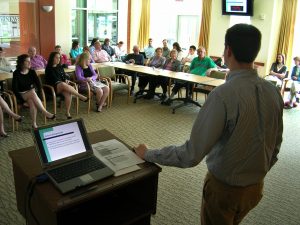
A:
(62, 140)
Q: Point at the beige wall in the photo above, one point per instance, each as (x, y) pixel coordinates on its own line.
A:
(269, 26)
(9, 7)
(63, 29)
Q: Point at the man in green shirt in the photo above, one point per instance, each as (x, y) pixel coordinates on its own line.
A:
(202, 65)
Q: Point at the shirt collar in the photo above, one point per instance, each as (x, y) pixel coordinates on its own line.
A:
(241, 73)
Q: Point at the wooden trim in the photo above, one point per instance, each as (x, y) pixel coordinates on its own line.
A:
(46, 28)
(128, 25)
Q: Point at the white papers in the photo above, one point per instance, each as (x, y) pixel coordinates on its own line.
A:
(117, 156)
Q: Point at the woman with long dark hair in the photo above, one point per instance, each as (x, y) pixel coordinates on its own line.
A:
(277, 71)
(25, 82)
(56, 76)
(177, 47)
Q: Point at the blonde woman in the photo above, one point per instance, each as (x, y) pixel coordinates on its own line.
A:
(85, 73)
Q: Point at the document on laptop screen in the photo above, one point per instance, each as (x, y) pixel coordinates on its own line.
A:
(62, 141)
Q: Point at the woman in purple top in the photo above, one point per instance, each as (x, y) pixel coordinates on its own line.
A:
(86, 74)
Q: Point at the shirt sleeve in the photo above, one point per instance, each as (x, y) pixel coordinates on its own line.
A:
(206, 131)
(37, 81)
(79, 73)
(212, 64)
(192, 66)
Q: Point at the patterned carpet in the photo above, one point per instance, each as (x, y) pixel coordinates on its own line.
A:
(179, 194)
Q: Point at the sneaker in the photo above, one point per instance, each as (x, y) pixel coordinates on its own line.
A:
(295, 104)
(167, 101)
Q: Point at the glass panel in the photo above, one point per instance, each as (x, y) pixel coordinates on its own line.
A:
(18, 27)
(103, 5)
(79, 4)
(103, 25)
(188, 30)
(79, 26)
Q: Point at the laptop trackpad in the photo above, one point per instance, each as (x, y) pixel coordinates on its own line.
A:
(86, 178)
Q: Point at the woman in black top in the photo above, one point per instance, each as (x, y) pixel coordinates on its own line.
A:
(56, 76)
(277, 71)
(24, 83)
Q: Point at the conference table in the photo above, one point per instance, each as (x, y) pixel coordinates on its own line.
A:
(203, 80)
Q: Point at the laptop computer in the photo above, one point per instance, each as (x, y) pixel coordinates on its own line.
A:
(67, 156)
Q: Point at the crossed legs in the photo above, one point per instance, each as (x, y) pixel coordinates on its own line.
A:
(35, 104)
(5, 108)
(67, 91)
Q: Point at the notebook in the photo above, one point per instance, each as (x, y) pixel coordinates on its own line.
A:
(67, 156)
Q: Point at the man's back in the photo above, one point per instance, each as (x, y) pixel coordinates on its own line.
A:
(253, 130)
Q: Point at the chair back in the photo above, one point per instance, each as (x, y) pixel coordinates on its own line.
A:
(217, 75)
(107, 71)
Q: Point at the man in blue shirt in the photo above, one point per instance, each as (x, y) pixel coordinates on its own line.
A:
(238, 129)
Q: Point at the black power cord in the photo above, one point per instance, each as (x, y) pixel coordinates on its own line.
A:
(41, 178)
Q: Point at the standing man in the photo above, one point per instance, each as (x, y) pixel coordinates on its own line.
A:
(166, 50)
(239, 129)
(149, 50)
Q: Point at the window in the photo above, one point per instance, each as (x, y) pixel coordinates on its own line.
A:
(94, 18)
(18, 26)
(179, 23)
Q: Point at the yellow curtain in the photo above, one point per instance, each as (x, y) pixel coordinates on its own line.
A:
(286, 35)
(205, 24)
(144, 28)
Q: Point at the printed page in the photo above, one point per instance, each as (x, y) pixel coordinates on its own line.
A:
(116, 156)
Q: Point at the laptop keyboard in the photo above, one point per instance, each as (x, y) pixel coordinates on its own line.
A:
(75, 169)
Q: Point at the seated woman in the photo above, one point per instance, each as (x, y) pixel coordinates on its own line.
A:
(157, 61)
(295, 87)
(177, 47)
(170, 64)
(56, 76)
(5, 65)
(85, 73)
(24, 83)
(4, 108)
(277, 71)
(86, 50)
(75, 50)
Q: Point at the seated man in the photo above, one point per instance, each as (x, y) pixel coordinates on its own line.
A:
(37, 61)
(134, 58)
(100, 55)
(186, 62)
(202, 66)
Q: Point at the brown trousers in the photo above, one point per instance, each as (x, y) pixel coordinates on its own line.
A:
(223, 204)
